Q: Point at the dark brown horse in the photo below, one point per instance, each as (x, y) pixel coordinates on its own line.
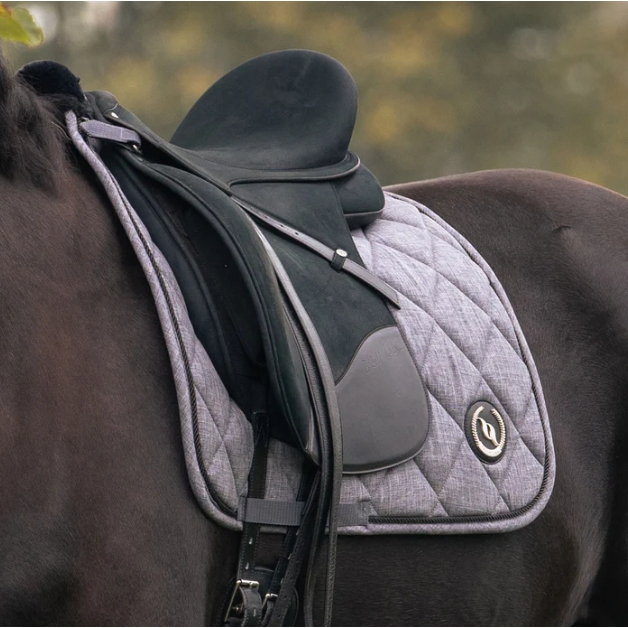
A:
(98, 525)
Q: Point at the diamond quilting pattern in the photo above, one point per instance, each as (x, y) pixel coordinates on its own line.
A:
(468, 347)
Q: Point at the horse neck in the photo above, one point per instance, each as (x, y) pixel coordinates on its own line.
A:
(65, 270)
(90, 447)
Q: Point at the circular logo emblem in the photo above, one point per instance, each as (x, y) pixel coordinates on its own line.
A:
(486, 431)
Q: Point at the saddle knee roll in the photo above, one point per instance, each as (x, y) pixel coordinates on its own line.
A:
(384, 410)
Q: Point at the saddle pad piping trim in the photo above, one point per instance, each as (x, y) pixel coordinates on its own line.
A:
(489, 523)
(223, 513)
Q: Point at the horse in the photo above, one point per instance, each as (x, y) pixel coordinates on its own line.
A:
(98, 524)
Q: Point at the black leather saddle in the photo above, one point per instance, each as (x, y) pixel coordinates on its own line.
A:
(251, 204)
(253, 198)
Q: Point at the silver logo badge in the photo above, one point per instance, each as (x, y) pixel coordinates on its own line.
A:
(486, 431)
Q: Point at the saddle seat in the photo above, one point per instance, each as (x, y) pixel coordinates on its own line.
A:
(275, 118)
(251, 203)
(284, 116)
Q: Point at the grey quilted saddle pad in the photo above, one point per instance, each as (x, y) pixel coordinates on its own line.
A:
(488, 462)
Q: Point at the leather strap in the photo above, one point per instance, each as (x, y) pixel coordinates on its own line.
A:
(252, 605)
(247, 585)
(326, 406)
(289, 566)
(331, 255)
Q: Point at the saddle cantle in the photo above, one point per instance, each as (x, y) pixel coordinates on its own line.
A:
(261, 164)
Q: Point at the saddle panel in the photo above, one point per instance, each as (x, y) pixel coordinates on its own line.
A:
(361, 198)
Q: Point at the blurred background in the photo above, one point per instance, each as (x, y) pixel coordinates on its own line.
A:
(445, 87)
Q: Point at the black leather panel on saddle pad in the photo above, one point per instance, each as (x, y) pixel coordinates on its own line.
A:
(269, 142)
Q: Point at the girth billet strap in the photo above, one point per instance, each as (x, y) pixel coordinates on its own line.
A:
(246, 605)
(322, 387)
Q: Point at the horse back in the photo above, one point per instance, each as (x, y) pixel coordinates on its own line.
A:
(560, 249)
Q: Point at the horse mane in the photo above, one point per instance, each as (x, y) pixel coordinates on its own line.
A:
(33, 142)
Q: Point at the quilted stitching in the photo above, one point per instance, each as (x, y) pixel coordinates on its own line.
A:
(455, 294)
(464, 342)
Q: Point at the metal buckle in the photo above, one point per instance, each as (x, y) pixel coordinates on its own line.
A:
(239, 609)
(267, 598)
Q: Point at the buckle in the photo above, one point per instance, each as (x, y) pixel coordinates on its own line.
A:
(267, 598)
(238, 609)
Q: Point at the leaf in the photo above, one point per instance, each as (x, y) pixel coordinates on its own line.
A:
(18, 25)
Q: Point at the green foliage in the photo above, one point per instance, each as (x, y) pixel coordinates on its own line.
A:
(445, 87)
(17, 24)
